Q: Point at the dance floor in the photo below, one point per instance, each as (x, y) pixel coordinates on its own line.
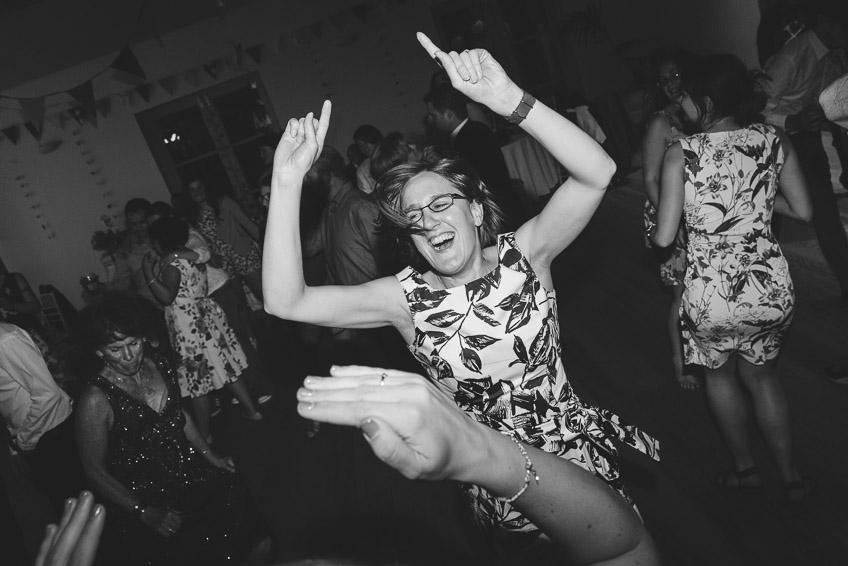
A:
(327, 496)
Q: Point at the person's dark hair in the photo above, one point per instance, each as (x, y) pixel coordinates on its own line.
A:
(115, 316)
(444, 97)
(392, 150)
(169, 232)
(728, 84)
(458, 172)
(681, 58)
(137, 205)
(213, 196)
(367, 133)
(161, 209)
(328, 165)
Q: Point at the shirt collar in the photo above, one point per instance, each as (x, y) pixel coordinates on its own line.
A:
(455, 132)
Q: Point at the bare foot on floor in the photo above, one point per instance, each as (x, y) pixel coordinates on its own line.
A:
(688, 381)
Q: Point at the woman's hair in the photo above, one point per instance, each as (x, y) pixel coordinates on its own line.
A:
(214, 195)
(728, 84)
(391, 151)
(161, 209)
(169, 232)
(680, 58)
(458, 172)
(115, 316)
(368, 134)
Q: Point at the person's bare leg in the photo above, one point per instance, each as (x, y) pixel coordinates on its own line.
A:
(202, 408)
(730, 409)
(685, 380)
(239, 391)
(771, 412)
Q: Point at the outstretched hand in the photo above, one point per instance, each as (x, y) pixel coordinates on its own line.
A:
(302, 142)
(74, 541)
(410, 425)
(476, 74)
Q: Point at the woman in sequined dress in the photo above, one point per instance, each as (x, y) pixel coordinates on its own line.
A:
(171, 499)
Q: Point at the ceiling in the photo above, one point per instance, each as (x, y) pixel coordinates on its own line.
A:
(41, 37)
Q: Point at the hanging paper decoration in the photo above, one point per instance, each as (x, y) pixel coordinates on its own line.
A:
(255, 53)
(35, 131)
(104, 106)
(128, 69)
(212, 69)
(12, 134)
(169, 84)
(144, 91)
(34, 111)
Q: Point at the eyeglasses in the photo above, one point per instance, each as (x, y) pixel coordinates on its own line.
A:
(672, 78)
(438, 204)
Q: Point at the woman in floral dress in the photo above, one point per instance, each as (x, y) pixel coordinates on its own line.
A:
(208, 354)
(478, 309)
(664, 128)
(739, 299)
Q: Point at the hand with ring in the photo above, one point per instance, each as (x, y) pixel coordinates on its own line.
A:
(477, 75)
(75, 540)
(411, 425)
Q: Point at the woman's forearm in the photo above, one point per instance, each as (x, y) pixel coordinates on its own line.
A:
(282, 260)
(111, 489)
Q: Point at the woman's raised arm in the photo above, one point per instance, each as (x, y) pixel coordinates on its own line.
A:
(479, 76)
(286, 293)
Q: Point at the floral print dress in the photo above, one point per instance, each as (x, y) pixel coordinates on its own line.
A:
(493, 345)
(738, 296)
(207, 351)
(673, 260)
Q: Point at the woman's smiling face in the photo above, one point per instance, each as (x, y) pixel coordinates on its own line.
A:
(448, 239)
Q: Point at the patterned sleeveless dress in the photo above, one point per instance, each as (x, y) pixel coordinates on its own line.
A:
(673, 260)
(207, 351)
(493, 344)
(738, 296)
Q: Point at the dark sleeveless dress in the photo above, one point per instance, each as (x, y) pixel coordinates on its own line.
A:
(150, 455)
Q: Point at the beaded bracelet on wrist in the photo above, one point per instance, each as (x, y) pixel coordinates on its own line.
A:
(529, 473)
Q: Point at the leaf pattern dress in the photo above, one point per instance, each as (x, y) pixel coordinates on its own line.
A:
(493, 344)
(207, 351)
(672, 259)
(738, 296)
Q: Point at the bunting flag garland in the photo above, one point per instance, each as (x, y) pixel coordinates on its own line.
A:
(34, 130)
(169, 84)
(144, 91)
(12, 134)
(34, 111)
(212, 69)
(104, 106)
(84, 94)
(128, 69)
(255, 53)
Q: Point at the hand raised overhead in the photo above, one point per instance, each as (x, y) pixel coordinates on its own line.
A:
(302, 142)
(476, 74)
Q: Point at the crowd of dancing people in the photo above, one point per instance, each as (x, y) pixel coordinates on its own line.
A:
(429, 286)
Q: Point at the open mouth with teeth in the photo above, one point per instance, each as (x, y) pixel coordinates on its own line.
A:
(442, 241)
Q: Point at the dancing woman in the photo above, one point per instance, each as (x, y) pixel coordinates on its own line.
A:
(481, 314)
(738, 299)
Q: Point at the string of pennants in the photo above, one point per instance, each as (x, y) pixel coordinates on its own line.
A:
(83, 105)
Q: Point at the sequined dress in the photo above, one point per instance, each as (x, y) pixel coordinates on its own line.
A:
(150, 455)
(493, 344)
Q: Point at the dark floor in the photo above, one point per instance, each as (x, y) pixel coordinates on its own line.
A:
(327, 496)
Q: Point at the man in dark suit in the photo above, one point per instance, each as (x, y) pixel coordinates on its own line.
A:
(475, 142)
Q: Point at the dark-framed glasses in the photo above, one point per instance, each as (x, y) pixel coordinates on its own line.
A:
(438, 204)
(672, 78)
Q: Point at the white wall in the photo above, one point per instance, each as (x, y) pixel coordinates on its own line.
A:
(357, 65)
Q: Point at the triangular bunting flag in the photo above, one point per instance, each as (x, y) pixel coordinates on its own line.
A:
(12, 132)
(169, 84)
(144, 92)
(33, 111)
(128, 68)
(193, 76)
(32, 129)
(317, 29)
(255, 53)
(212, 69)
(84, 94)
(104, 106)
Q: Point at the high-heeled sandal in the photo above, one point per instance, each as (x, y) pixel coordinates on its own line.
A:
(734, 479)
